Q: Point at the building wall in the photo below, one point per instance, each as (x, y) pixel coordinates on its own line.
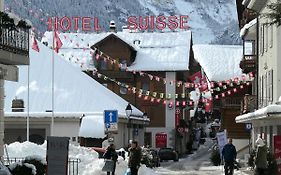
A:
(269, 50)
(67, 129)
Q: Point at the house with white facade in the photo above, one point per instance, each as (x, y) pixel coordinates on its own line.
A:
(76, 95)
(265, 120)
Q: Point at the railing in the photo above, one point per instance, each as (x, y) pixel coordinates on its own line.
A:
(249, 104)
(231, 102)
(14, 40)
(248, 63)
(73, 164)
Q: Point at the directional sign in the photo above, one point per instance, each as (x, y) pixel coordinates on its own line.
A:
(111, 121)
(248, 126)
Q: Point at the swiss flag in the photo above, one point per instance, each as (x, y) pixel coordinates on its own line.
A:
(208, 105)
(35, 45)
(195, 78)
(58, 43)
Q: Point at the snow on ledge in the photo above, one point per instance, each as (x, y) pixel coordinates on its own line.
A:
(259, 114)
(247, 26)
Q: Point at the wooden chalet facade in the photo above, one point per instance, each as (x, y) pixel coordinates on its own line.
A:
(160, 114)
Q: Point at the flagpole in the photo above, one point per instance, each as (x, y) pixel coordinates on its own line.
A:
(53, 84)
(27, 120)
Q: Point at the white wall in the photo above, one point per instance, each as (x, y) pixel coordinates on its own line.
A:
(67, 129)
(170, 113)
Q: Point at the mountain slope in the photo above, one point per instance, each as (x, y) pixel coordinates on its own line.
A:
(211, 21)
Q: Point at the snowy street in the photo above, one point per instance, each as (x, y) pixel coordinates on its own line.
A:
(195, 164)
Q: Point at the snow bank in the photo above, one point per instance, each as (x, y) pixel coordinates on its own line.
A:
(90, 122)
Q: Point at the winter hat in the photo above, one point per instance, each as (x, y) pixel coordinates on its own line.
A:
(260, 142)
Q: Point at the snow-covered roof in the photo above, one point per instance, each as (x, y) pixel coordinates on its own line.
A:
(74, 90)
(259, 114)
(167, 51)
(90, 122)
(219, 62)
(247, 26)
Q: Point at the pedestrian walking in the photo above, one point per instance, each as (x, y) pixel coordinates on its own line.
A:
(229, 155)
(261, 157)
(134, 158)
(111, 157)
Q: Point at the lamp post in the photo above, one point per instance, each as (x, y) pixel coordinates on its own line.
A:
(128, 114)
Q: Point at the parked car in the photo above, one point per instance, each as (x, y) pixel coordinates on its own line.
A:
(168, 154)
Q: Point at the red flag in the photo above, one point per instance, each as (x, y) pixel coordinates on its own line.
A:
(58, 43)
(208, 105)
(35, 45)
(195, 78)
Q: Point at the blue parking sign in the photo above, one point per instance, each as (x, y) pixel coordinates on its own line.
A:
(111, 120)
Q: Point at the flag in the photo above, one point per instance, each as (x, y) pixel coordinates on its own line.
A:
(58, 43)
(35, 45)
(195, 78)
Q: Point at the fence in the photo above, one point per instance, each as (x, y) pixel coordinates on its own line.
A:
(73, 164)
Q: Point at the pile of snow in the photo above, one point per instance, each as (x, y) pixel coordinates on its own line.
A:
(90, 122)
(247, 26)
(89, 165)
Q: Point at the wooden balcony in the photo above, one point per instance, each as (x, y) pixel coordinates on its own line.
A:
(231, 102)
(14, 42)
(249, 104)
(248, 63)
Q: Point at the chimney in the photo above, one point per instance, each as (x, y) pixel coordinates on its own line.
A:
(17, 105)
(112, 26)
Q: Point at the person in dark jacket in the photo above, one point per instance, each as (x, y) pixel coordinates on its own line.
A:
(111, 154)
(229, 155)
(134, 158)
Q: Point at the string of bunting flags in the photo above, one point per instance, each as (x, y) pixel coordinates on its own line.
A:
(99, 55)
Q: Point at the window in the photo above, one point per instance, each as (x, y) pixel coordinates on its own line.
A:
(265, 90)
(271, 35)
(145, 86)
(73, 139)
(270, 85)
(261, 91)
(102, 65)
(123, 64)
(261, 39)
(265, 37)
(123, 90)
(249, 48)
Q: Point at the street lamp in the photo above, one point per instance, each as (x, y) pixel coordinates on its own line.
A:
(128, 114)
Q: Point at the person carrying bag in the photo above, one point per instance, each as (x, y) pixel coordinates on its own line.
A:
(110, 157)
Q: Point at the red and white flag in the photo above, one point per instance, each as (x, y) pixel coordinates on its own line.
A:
(35, 45)
(58, 43)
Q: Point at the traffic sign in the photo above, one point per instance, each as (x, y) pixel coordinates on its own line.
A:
(248, 126)
(111, 121)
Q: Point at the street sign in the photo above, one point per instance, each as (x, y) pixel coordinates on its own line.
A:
(111, 121)
(248, 126)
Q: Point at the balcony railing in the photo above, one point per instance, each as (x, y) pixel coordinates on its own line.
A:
(231, 102)
(249, 104)
(15, 40)
(248, 63)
